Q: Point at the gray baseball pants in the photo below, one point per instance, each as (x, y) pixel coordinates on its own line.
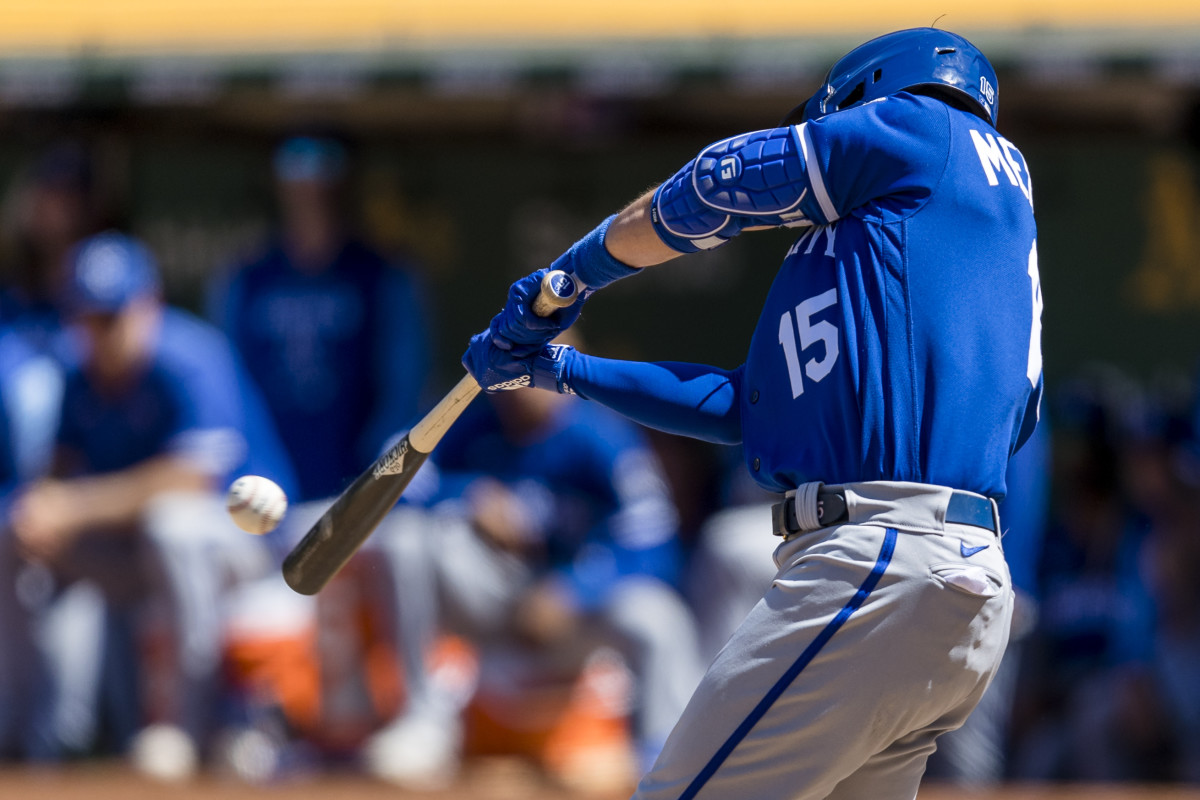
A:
(876, 636)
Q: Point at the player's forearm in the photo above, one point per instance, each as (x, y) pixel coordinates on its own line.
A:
(118, 499)
(631, 238)
(687, 399)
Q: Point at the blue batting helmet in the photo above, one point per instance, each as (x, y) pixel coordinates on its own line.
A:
(924, 60)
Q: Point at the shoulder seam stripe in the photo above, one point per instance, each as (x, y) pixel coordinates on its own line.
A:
(815, 179)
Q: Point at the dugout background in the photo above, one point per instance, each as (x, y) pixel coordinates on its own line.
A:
(483, 163)
(489, 138)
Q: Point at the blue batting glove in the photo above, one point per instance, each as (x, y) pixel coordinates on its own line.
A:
(520, 331)
(497, 370)
(551, 367)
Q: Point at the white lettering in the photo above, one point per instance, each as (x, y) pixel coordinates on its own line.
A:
(515, 383)
(808, 240)
(800, 242)
(830, 236)
(729, 166)
(810, 333)
(990, 157)
(1009, 149)
(987, 90)
(1033, 368)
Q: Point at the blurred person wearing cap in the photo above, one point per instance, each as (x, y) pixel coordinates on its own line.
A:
(332, 331)
(157, 416)
(335, 335)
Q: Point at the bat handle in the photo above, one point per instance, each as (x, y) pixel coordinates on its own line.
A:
(558, 290)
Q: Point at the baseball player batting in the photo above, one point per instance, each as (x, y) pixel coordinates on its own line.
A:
(895, 368)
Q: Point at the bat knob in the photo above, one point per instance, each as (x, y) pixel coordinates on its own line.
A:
(558, 290)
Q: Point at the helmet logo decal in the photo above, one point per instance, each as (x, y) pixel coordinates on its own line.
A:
(987, 90)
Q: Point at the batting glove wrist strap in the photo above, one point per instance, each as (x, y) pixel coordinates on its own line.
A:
(591, 263)
(551, 368)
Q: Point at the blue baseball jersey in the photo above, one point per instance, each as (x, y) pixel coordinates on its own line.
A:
(341, 356)
(901, 337)
(193, 399)
(591, 484)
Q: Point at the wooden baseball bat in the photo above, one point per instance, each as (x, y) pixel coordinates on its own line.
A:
(359, 509)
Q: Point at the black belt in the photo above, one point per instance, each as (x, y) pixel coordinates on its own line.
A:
(963, 509)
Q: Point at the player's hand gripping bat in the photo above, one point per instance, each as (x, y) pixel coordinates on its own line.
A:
(346, 524)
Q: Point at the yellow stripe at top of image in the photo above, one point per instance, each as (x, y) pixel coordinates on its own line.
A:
(205, 25)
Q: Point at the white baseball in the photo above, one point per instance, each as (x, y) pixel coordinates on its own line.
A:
(256, 504)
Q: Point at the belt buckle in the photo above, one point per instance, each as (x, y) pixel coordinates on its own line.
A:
(782, 514)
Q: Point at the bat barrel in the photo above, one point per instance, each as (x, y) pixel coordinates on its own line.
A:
(345, 525)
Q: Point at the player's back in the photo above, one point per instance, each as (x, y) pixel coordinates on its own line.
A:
(888, 333)
(974, 289)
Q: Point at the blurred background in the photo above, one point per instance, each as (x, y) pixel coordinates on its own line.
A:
(489, 136)
(475, 141)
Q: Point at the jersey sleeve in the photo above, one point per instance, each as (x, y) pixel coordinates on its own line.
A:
(896, 147)
(693, 400)
(808, 174)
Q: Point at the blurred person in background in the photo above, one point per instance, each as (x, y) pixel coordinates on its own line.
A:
(1163, 473)
(551, 533)
(335, 335)
(332, 332)
(156, 417)
(51, 205)
(731, 565)
(1091, 709)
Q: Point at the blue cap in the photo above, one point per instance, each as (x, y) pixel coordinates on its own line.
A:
(107, 272)
(308, 158)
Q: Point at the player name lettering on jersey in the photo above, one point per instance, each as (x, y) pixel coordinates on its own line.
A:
(998, 153)
(808, 240)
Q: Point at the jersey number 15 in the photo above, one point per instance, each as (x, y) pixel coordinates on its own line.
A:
(810, 333)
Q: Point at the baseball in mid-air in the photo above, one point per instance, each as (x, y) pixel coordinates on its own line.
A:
(256, 503)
